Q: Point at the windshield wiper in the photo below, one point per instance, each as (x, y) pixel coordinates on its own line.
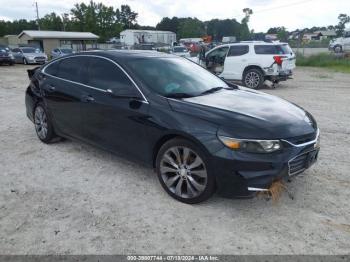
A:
(211, 90)
(179, 95)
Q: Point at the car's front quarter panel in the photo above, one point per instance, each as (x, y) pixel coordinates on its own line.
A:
(166, 121)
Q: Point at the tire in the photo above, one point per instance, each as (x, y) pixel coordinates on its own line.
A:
(253, 78)
(183, 171)
(338, 49)
(25, 62)
(43, 125)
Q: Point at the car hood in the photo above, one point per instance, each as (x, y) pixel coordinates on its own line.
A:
(245, 113)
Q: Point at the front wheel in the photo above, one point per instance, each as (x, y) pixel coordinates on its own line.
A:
(253, 78)
(25, 62)
(184, 172)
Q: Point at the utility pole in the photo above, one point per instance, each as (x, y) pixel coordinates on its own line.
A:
(37, 15)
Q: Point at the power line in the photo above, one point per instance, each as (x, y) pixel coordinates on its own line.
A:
(282, 6)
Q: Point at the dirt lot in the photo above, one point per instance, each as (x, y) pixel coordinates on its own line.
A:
(70, 198)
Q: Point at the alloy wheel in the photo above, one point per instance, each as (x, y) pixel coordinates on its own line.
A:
(252, 80)
(25, 61)
(40, 122)
(183, 172)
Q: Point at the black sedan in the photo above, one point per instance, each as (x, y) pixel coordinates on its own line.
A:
(200, 133)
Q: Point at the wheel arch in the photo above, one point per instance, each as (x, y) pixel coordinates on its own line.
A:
(161, 141)
(252, 67)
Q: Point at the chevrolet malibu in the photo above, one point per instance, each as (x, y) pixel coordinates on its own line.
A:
(201, 134)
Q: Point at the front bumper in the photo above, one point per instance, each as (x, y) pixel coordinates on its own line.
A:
(36, 60)
(241, 174)
(7, 60)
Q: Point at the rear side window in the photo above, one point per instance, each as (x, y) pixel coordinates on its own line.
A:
(70, 68)
(238, 50)
(52, 69)
(270, 50)
(103, 74)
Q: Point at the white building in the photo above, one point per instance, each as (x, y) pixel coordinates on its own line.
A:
(131, 37)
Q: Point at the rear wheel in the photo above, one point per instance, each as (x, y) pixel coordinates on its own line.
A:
(184, 172)
(338, 49)
(253, 78)
(43, 125)
(25, 62)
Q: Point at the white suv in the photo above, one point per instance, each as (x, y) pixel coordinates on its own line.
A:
(251, 62)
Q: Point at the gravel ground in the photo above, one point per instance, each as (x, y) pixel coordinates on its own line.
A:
(70, 198)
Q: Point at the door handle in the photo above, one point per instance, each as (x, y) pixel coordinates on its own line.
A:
(88, 98)
(52, 88)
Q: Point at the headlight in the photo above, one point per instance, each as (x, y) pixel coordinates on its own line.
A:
(11, 56)
(31, 57)
(251, 146)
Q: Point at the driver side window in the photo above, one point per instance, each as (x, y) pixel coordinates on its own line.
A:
(219, 53)
(104, 75)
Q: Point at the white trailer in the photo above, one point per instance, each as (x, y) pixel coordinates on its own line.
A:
(131, 37)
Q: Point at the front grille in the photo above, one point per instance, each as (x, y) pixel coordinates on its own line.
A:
(297, 164)
(302, 139)
(40, 58)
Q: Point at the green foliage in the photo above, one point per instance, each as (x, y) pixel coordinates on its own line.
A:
(325, 60)
(51, 22)
(126, 17)
(219, 28)
(16, 27)
(343, 20)
(105, 21)
(192, 27)
(247, 13)
(168, 24)
(100, 19)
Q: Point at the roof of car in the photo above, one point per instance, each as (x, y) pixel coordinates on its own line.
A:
(126, 53)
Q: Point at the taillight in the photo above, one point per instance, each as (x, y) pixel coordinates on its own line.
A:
(278, 59)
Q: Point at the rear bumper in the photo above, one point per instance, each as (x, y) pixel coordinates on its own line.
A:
(280, 76)
(243, 174)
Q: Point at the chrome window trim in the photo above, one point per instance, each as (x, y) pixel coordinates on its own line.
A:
(306, 143)
(95, 88)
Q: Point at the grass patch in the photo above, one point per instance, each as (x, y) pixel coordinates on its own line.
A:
(340, 64)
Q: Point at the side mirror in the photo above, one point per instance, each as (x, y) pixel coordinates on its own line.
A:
(124, 91)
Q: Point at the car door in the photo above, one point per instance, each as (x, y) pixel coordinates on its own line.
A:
(215, 60)
(17, 55)
(115, 122)
(235, 62)
(62, 88)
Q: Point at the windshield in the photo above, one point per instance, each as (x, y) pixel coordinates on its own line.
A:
(67, 51)
(180, 49)
(31, 50)
(169, 76)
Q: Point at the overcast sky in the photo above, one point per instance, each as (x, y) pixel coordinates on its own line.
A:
(292, 14)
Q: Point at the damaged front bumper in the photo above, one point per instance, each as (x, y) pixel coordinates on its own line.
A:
(246, 174)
